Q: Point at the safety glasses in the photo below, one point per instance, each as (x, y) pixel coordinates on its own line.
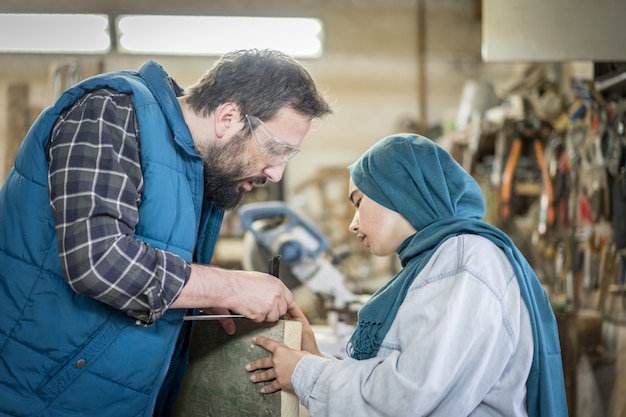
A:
(274, 150)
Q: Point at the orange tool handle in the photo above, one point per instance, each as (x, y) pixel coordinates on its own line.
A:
(507, 179)
(547, 182)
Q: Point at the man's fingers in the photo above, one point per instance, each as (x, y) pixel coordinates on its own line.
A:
(229, 326)
(273, 316)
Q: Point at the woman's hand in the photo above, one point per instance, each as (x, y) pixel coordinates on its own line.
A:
(308, 337)
(277, 368)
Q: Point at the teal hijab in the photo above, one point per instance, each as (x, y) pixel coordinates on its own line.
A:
(413, 176)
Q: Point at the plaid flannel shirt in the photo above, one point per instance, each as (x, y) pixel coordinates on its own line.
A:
(95, 184)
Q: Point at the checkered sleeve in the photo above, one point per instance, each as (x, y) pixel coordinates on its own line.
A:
(95, 185)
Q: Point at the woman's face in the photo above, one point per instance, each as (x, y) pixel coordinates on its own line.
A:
(375, 226)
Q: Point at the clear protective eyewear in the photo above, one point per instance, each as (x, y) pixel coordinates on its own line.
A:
(274, 150)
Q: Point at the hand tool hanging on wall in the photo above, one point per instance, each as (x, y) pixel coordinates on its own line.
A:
(619, 208)
(578, 200)
(599, 201)
(527, 131)
(615, 157)
(614, 143)
(606, 273)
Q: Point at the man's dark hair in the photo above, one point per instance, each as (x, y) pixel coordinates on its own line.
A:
(260, 82)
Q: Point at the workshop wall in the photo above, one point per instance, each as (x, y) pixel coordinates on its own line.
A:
(373, 69)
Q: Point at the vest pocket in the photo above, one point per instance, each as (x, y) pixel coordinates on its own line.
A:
(79, 362)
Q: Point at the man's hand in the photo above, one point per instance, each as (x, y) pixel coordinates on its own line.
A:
(277, 368)
(256, 295)
(259, 296)
(227, 324)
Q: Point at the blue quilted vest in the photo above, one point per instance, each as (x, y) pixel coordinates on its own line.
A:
(62, 353)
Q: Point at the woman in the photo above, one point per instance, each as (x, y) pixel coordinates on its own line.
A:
(465, 327)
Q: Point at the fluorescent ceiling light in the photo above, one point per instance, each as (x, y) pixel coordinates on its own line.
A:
(215, 35)
(54, 33)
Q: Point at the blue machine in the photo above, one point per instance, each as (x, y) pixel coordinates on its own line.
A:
(281, 231)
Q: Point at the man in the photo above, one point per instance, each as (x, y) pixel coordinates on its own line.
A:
(108, 222)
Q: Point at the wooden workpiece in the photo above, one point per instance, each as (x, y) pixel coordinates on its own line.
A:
(216, 383)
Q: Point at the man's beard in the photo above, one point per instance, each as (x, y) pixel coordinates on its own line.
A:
(223, 173)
